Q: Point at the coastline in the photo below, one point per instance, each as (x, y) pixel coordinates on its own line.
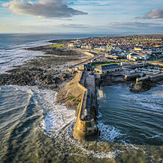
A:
(50, 70)
(47, 71)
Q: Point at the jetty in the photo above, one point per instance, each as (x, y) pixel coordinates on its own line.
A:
(86, 126)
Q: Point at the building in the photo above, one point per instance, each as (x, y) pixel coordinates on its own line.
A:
(104, 69)
(137, 48)
(71, 44)
(133, 56)
(74, 44)
(113, 56)
(87, 67)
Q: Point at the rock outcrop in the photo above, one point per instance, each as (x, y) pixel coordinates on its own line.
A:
(142, 84)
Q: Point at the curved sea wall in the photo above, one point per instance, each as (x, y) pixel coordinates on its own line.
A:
(76, 95)
(85, 126)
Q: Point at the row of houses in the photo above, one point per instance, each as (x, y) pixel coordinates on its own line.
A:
(133, 56)
(114, 47)
(122, 48)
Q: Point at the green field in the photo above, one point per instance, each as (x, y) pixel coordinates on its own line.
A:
(56, 46)
(160, 61)
(100, 64)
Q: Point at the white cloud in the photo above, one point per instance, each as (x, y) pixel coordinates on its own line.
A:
(43, 8)
(153, 14)
(136, 27)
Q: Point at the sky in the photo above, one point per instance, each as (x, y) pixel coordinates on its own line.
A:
(81, 16)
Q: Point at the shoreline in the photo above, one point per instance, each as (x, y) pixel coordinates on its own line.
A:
(50, 76)
(47, 71)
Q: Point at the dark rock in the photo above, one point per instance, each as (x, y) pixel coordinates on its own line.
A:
(62, 76)
(141, 86)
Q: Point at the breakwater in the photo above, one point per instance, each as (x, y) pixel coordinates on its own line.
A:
(85, 126)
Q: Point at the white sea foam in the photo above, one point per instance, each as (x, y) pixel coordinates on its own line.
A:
(152, 137)
(18, 56)
(131, 146)
(108, 133)
(151, 100)
(93, 153)
(59, 121)
(31, 44)
(99, 114)
(57, 117)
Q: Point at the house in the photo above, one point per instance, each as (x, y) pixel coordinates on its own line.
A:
(137, 48)
(133, 56)
(123, 63)
(117, 49)
(104, 69)
(71, 44)
(113, 56)
(100, 48)
(74, 44)
(121, 54)
(109, 48)
(77, 45)
(89, 46)
(147, 56)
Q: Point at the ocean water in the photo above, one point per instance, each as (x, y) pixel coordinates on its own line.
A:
(136, 118)
(33, 128)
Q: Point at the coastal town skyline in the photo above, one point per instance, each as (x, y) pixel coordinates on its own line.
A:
(81, 16)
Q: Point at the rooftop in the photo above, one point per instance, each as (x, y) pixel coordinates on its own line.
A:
(105, 67)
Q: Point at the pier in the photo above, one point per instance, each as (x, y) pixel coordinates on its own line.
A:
(86, 126)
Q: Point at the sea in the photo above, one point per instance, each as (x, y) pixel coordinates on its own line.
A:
(34, 129)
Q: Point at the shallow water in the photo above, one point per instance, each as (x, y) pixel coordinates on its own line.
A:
(35, 129)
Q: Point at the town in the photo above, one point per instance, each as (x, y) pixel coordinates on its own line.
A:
(132, 56)
(145, 47)
(134, 60)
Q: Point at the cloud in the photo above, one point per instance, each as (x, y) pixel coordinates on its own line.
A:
(79, 26)
(136, 27)
(134, 24)
(43, 8)
(153, 14)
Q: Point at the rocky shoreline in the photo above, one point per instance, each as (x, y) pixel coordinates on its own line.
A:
(142, 86)
(47, 71)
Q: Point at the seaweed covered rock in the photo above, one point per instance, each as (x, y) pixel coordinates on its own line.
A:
(142, 84)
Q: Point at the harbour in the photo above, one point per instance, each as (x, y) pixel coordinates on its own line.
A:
(37, 127)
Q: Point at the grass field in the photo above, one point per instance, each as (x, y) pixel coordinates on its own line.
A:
(100, 64)
(56, 46)
(160, 61)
